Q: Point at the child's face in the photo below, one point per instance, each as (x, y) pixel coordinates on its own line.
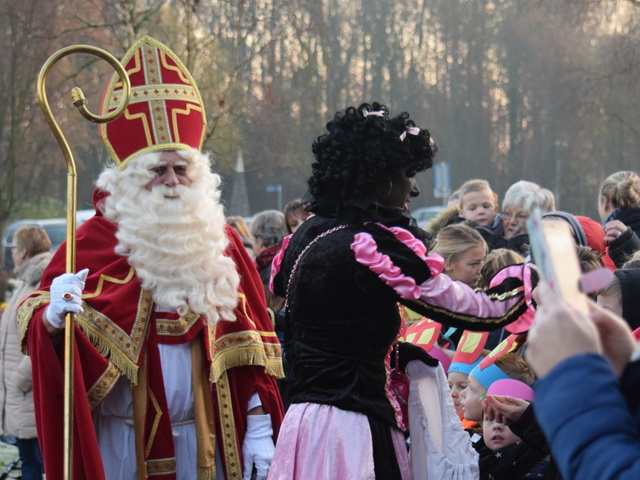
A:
(496, 435)
(466, 267)
(610, 302)
(471, 400)
(515, 221)
(295, 219)
(457, 383)
(479, 207)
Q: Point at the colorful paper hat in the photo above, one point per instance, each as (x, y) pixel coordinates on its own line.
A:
(165, 112)
(423, 333)
(462, 367)
(512, 388)
(470, 347)
(442, 357)
(487, 375)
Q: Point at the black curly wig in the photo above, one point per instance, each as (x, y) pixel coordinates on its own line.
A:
(360, 148)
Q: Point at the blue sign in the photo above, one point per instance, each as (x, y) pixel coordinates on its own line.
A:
(441, 180)
(274, 188)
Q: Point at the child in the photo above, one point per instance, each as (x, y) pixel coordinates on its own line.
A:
(495, 261)
(506, 456)
(482, 376)
(513, 459)
(479, 204)
(476, 206)
(463, 250)
(458, 380)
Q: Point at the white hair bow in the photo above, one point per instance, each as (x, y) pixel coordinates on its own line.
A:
(410, 130)
(377, 113)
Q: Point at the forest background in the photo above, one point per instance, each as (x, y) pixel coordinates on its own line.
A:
(541, 90)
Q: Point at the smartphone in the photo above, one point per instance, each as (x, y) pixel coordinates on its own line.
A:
(554, 252)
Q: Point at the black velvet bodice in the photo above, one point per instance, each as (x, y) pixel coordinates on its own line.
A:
(342, 318)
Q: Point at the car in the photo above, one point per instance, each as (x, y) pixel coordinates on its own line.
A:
(56, 228)
(424, 214)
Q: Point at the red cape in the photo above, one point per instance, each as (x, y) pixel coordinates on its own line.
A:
(115, 332)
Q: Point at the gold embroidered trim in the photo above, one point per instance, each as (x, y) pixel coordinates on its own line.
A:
(112, 342)
(103, 386)
(149, 93)
(156, 422)
(245, 348)
(506, 295)
(178, 70)
(106, 278)
(174, 117)
(231, 454)
(25, 313)
(161, 466)
(176, 327)
(243, 305)
(208, 473)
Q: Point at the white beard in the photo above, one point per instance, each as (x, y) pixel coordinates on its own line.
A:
(176, 245)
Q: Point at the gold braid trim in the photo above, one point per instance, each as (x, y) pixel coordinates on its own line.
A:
(161, 466)
(242, 349)
(112, 342)
(204, 415)
(228, 440)
(25, 313)
(207, 473)
(103, 386)
(122, 350)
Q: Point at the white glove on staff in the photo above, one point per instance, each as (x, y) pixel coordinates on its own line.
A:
(66, 297)
(258, 447)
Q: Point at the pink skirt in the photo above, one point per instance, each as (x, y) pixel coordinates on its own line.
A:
(320, 442)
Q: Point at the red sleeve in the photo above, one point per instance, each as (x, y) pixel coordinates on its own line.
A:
(48, 394)
(244, 382)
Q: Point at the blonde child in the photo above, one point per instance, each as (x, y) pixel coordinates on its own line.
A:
(479, 204)
(476, 206)
(463, 250)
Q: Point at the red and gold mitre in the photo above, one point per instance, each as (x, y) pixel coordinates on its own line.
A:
(165, 112)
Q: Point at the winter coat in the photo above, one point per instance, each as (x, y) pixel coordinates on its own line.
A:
(591, 418)
(16, 396)
(628, 243)
(493, 234)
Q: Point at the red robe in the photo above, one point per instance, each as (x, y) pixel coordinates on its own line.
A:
(118, 334)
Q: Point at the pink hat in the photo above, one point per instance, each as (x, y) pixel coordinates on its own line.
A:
(511, 388)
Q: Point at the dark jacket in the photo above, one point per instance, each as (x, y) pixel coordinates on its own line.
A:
(629, 242)
(591, 418)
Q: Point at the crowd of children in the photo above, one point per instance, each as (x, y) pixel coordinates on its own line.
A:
(490, 381)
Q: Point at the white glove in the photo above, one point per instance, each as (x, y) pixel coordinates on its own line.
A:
(66, 292)
(258, 446)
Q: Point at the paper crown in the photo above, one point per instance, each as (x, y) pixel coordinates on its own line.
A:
(487, 375)
(165, 111)
(512, 388)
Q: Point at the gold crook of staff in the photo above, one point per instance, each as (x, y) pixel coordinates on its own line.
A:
(72, 180)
